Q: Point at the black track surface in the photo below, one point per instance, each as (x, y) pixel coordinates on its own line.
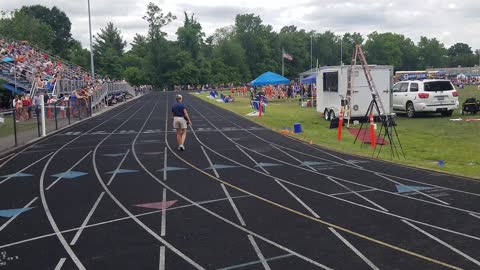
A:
(271, 203)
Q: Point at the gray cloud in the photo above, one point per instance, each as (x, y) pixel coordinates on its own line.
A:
(446, 20)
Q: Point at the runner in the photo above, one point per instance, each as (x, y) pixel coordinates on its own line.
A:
(181, 120)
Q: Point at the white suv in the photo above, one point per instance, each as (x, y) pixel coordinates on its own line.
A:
(434, 96)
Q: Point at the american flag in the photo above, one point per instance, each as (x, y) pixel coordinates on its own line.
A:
(287, 56)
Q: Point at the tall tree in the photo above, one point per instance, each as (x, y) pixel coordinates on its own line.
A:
(190, 36)
(160, 48)
(58, 22)
(460, 49)
(21, 26)
(391, 49)
(255, 39)
(431, 53)
(108, 48)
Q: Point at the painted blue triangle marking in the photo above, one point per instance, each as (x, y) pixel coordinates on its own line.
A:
(17, 175)
(70, 174)
(168, 169)
(266, 164)
(114, 155)
(315, 163)
(404, 188)
(122, 171)
(13, 212)
(221, 166)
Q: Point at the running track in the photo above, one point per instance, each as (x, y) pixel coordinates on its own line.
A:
(113, 193)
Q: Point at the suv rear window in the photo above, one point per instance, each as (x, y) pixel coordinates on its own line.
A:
(438, 86)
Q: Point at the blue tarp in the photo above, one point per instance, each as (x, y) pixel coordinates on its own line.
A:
(8, 59)
(312, 78)
(270, 78)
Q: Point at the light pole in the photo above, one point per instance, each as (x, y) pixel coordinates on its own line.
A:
(311, 51)
(91, 45)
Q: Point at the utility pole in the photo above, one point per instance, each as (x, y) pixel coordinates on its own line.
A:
(91, 43)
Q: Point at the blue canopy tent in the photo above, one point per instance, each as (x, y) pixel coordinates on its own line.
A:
(312, 78)
(270, 78)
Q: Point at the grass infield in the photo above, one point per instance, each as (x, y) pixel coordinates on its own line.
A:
(426, 139)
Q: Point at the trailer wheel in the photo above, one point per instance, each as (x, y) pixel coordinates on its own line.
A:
(331, 115)
(326, 114)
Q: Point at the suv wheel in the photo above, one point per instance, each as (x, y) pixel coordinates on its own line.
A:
(410, 110)
(447, 113)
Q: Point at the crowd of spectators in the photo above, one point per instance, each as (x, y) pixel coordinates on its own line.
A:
(32, 65)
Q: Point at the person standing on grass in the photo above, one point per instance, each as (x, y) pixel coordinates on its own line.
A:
(181, 120)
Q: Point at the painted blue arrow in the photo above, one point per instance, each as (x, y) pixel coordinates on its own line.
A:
(404, 188)
(266, 164)
(13, 212)
(70, 174)
(315, 163)
(220, 166)
(17, 175)
(122, 171)
(168, 169)
(114, 155)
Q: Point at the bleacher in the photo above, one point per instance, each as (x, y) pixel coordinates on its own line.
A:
(27, 69)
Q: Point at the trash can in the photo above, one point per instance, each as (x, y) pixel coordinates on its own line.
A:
(297, 128)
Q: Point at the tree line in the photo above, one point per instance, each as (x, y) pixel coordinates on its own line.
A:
(236, 53)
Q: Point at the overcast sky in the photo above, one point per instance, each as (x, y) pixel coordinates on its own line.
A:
(449, 21)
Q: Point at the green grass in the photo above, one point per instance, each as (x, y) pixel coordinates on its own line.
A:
(6, 128)
(426, 139)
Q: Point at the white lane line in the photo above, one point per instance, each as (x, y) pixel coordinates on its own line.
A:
(298, 199)
(85, 222)
(259, 253)
(347, 181)
(60, 264)
(401, 178)
(333, 197)
(474, 215)
(69, 170)
(7, 156)
(12, 218)
(235, 209)
(22, 170)
(116, 220)
(354, 249)
(118, 168)
(164, 214)
(24, 151)
(125, 210)
(291, 156)
(46, 209)
(358, 194)
(413, 190)
(51, 220)
(443, 243)
(350, 192)
(296, 140)
(215, 214)
(251, 158)
(210, 162)
(161, 264)
(165, 165)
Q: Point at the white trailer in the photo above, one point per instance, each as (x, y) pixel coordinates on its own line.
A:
(332, 90)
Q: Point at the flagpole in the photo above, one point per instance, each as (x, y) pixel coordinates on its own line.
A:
(283, 69)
